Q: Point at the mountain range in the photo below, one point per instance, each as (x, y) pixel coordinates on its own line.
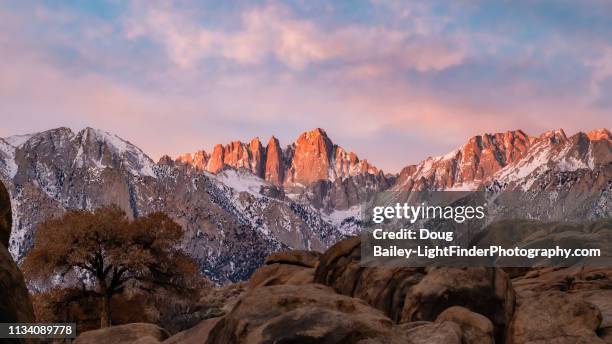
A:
(241, 201)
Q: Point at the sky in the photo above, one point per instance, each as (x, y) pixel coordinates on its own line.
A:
(393, 81)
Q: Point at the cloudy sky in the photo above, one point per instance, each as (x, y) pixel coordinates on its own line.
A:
(394, 81)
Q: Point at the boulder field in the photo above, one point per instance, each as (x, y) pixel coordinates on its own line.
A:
(310, 297)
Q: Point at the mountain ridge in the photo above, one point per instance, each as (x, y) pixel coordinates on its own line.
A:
(235, 217)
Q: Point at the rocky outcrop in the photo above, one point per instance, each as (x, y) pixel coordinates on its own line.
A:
(198, 160)
(6, 219)
(586, 291)
(342, 302)
(195, 335)
(134, 333)
(289, 267)
(374, 304)
(468, 166)
(475, 328)
(482, 290)
(310, 313)
(312, 158)
(418, 294)
(308, 259)
(425, 332)
(274, 167)
(15, 303)
(555, 317)
(216, 161)
(312, 169)
(258, 157)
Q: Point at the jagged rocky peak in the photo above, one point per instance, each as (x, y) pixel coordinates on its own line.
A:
(274, 167)
(199, 159)
(576, 158)
(236, 154)
(311, 158)
(165, 160)
(554, 136)
(98, 148)
(599, 134)
(466, 167)
(257, 157)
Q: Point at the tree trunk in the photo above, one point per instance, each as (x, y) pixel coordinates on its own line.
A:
(105, 313)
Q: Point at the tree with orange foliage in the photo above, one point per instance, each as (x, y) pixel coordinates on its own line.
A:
(105, 247)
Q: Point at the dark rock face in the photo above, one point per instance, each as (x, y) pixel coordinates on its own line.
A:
(15, 303)
(6, 219)
(195, 335)
(418, 294)
(482, 290)
(475, 327)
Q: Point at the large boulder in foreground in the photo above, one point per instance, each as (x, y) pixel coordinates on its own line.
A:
(125, 334)
(425, 332)
(308, 259)
(486, 291)
(274, 274)
(555, 317)
(5, 216)
(15, 303)
(310, 313)
(289, 267)
(418, 294)
(195, 335)
(475, 328)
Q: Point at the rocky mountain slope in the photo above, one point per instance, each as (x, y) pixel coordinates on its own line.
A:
(243, 201)
(229, 230)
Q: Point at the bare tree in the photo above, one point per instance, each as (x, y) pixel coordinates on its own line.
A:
(112, 250)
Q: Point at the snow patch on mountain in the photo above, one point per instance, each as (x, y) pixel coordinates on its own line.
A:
(138, 161)
(18, 140)
(241, 181)
(8, 167)
(347, 221)
(467, 186)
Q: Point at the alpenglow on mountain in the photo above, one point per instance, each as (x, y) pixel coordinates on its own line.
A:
(242, 201)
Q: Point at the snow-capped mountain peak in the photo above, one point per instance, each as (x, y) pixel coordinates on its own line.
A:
(104, 149)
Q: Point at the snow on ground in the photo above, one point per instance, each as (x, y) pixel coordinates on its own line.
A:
(18, 140)
(241, 181)
(337, 216)
(469, 186)
(7, 156)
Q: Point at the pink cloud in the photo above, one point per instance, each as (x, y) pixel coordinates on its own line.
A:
(272, 30)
